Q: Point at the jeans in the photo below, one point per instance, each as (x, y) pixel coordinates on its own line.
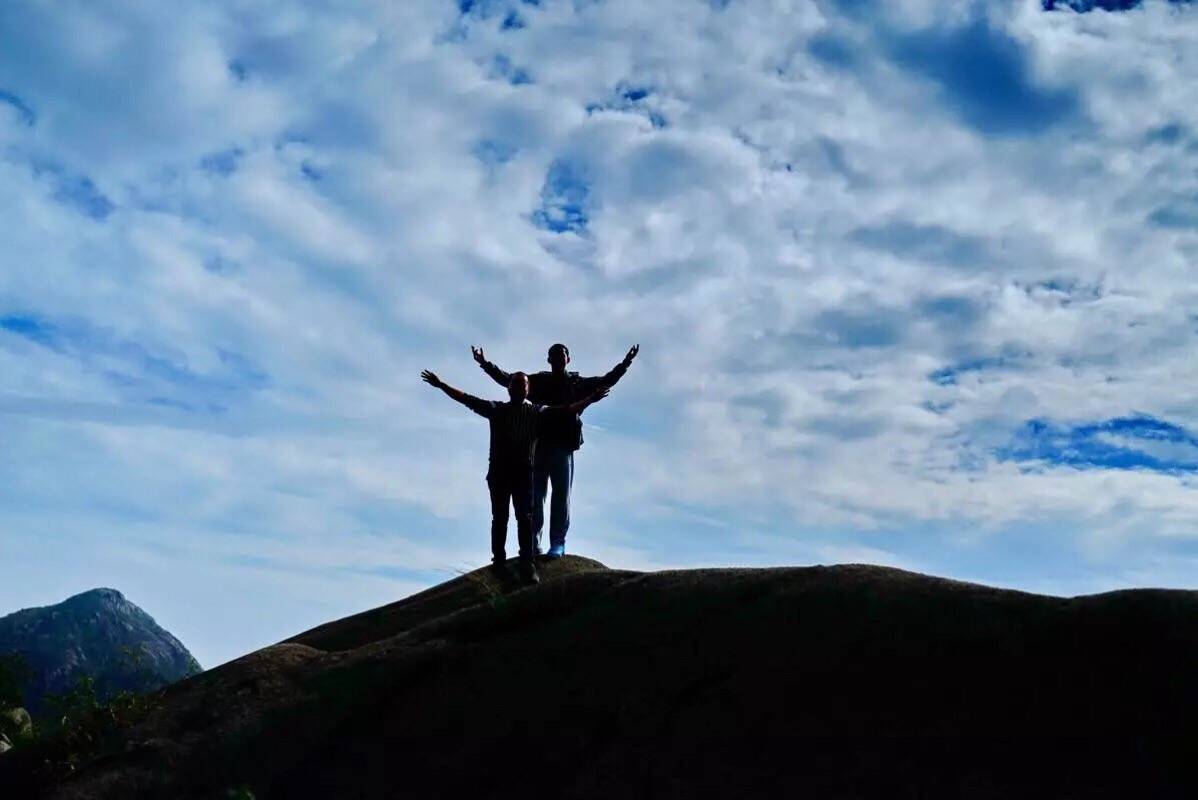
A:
(553, 465)
(514, 486)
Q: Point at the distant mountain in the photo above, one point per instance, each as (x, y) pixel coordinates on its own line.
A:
(1083, 6)
(97, 633)
(838, 682)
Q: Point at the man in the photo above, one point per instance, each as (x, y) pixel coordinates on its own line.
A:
(554, 462)
(515, 426)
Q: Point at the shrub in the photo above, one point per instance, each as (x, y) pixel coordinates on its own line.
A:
(14, 674)
(79, 725)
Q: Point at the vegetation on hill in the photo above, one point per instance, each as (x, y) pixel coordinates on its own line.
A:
(76, 726)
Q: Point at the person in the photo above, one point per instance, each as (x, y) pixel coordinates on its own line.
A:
(555, 455)
(515, 426)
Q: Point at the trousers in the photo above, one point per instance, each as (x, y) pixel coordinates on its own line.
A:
(512, 486)
(554, 465)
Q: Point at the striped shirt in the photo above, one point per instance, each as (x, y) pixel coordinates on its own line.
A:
(514, 429)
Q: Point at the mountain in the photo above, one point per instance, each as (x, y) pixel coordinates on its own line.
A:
(97, 633)
(849, 681)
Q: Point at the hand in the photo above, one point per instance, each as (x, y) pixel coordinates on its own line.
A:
(602, 393)
(477, 352)
(632, 351)
(431, 379)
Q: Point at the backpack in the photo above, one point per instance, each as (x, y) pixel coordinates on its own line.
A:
(572, 432)
(567, 428)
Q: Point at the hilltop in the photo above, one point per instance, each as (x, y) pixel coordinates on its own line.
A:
(830, 682)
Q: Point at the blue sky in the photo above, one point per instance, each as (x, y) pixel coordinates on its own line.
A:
(914, 285)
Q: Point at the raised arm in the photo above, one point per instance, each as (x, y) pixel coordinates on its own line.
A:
(497, 375)
(475, 404)
(614, 375)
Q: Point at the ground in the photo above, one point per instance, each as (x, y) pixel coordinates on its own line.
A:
(829, 682)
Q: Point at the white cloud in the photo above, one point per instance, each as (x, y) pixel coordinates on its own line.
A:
(311, 202)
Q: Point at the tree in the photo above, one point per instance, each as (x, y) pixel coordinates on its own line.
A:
(14, 674)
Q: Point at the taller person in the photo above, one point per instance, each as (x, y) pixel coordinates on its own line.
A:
(554, 460)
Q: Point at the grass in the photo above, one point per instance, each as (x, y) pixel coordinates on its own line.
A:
(487, 584)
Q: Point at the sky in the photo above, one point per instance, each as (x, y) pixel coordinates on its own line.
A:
(914, 284)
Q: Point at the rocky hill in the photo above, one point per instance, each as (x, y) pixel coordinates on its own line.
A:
(827, 682)
(97, 633)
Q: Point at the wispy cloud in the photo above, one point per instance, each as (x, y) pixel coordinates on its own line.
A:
(1140, 443)
(909, 280)
(24, 112)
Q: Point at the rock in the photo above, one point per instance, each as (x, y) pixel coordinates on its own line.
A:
(16, 722)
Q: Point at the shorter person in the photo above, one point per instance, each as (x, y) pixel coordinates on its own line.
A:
(515, 425)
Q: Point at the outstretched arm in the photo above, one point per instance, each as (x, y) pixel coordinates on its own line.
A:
(497, 375)
(617, 372)
(471, 402)
(580, 406)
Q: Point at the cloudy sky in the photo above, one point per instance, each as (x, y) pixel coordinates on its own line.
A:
(914, 284)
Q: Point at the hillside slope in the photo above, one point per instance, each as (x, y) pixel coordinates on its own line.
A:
(828, 682)
(97, 633)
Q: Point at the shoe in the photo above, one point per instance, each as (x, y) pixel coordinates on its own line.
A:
(557, 551)
(528, 574)
(499, 569)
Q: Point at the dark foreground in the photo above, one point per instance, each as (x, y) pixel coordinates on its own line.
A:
(821, 682)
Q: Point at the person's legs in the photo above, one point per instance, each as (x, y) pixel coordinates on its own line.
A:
(501, 493)
(540, 488)
(521, 490)
(561, 476)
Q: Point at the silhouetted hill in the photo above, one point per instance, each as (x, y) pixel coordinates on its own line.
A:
(97, 633)
(825, 682)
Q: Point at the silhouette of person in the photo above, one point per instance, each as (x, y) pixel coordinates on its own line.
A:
(515, 427)
(555, 455)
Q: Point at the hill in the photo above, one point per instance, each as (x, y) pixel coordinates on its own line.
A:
(829, 682)
(97, 633)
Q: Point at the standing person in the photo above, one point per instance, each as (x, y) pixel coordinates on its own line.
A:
(515, 425)
(555, 456)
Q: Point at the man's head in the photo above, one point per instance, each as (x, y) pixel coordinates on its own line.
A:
(517, 387)
(559, 357)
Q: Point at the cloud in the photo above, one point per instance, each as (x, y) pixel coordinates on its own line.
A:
(861, 248)
(1142, 442)
(1183, 215)
(223, 162)
(985, 77)
(924, 242)
(80, 193)
(565, 198)
(949, 376)
(1086, 6)
(26, 114)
